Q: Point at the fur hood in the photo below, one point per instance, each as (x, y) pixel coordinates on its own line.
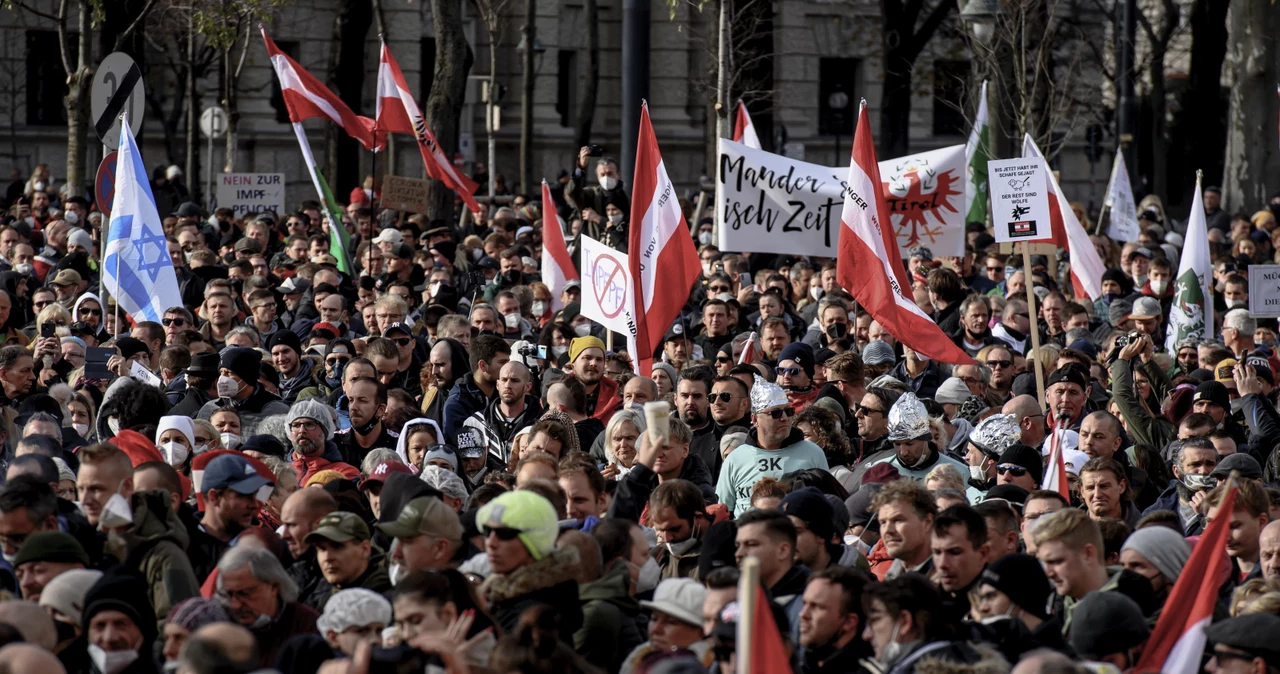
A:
(987, 661)
(559, 566)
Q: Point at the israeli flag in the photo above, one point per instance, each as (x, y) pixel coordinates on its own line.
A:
(137, 270)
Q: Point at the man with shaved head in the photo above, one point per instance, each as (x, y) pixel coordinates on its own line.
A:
(301, 511)
(24, 657)
(1030, 418)
(639, 390)
(219, 647)
(512, 410)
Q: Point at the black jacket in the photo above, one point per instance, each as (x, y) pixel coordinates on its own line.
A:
(706, 446)
(632, 494)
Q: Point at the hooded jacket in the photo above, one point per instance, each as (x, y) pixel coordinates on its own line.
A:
(156, 545)
(19, 311)
(402, 441)
(550, 581)
(749, 463)
(465, 399)
(90, 296)
(608, 632)
(258, 406)
(433, 398)
(607, 400)
(331, 459)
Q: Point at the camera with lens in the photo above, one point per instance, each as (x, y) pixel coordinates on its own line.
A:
(1121, 342)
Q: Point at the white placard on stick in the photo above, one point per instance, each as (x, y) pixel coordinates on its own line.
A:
(1019, 199)
(608, 290)
(251, 192)
(1264, 290)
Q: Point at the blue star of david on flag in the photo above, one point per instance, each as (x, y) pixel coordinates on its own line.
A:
(137, 270)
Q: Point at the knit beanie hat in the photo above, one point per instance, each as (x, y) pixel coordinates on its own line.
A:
(1021, 578)
(243, 361)
(580, 344)
(314, 410)
(286, 337)
(121, 589)
(801, 353)
(196, 612)
(1165, 548)
(51, 546)
(66, 592)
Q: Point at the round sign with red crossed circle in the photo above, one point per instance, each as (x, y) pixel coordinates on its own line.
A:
(104, 185)
(609, 282)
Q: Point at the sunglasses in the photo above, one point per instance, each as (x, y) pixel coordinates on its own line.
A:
(723, 359)
(403, 341)
(787, 371)
(1011, 469)
(174, 321)
(999, 363)
(722, 397)
(504, 533)
(719, 289)
(864, 410)
(782, 413)
(335, 361)
(86, 311)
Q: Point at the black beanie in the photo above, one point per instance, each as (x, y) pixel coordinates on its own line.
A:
(1021, 578)
(801, 353)
(1027, 457)
(244, 362)
(718, 546)
(288, 338)
(121, 589)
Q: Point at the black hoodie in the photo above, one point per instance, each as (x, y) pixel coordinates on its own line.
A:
(433, 399)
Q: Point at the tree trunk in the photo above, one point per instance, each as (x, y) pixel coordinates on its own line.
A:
(233, 111)
(902, 43)
(1155, 126)
(78, 85)
(526, 100)
(1200, 127)
(191, 141)
(1251, 129)
(587, 108)
(444, 105)
(346, 77)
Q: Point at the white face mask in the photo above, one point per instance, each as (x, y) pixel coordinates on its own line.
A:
(512, 321)
(816, 292)
(539, 308)
(558, 351)
(227, 387)
(8, 557)
(682, 547)
(82, 429)
(978, 473)
(705, 238)
(71, 217)
(706, 269)
(230, 440)
(616, 219)
(175, 453)
(1237, 304)
(116, 512)
(113, 424)
(111, 662)
(649, 575)
(1158, 287)
(582, 330)
(608, 182)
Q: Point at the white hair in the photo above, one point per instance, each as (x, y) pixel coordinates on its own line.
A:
(263, 565)
(1241, 320)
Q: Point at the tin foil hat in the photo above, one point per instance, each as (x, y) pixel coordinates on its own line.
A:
(766, 395)
(995, 434)
(908, 419)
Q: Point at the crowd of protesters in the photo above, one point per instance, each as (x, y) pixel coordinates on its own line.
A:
(434, 460)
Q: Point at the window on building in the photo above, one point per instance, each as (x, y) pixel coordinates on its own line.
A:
(427, 75)
(290, 48)
(949, 79)
(567, 86)
(46, 78)
(837, 82)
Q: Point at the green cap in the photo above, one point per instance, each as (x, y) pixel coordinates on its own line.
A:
(425, 516)
(51, 546)
(529, 513)
(339, 527)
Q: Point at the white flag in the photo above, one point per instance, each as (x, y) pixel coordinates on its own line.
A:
(1192, 312)
(1124, 214)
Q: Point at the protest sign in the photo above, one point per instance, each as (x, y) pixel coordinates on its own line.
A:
(608, 290)
(1264, 290)
(404, 194)
(1019, 199)
(247, 193)
(769, 203)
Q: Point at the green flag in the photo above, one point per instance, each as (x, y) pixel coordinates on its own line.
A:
(976, 153)
(339, 241)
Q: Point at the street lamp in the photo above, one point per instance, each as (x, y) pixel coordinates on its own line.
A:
(981, 15)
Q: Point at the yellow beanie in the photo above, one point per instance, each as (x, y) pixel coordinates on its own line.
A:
(580, 344)
(324, 477)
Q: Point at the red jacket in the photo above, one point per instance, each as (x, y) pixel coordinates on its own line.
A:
(308, 467)
(880, 560)
(607, 400)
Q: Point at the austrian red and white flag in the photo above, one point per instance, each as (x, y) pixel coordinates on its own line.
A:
(557, 266)
(743, 130)
(1055, 474)
(305, 97)
(397, 112)
(1177, 642)
(868, 263)
(749, 349)
(663, 260)
(1086, 267)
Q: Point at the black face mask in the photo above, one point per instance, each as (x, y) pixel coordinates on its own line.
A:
(66, 631)
(837, 330)
(512, 276)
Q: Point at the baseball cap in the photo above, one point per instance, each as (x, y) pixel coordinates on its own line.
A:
(339, 527)
(389, 235)
(1224, 372)
(1146, 307)
(426, 515)
(397, 327)
(471, 444)
(234, 472)
(294, 286)
(401, 251)
(680, 598)
(384, 470)
(66, 277)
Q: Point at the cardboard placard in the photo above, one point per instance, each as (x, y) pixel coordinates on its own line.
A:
(247, 193)
(1019, 199)
(1264, 290)
(608, 289)
(404, 194)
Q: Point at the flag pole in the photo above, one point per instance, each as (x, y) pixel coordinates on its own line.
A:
(747, 608)
(1035, 323)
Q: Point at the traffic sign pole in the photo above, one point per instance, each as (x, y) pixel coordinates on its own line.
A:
(213, 123)
(208, 176)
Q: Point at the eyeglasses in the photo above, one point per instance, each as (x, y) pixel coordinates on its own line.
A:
(41, 305)
(1023, 315)
(403, 341)
(787, 371)
(722, 397)
(970, 381)
(304, 425)
(716, 290)
(1011, 469)
(86, 311)
(781, 413)
(504, 533)
(864, 410)
(1229, 655)
(334, 361)
(999, 363)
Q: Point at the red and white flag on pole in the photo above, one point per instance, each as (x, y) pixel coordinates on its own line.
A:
(557, 266)
(743, 130)
(749, 349)
(1086, 267)
(398, 113)
(1176, 644)
(663, 260)
(1055, 474)
(305, 97)
(868, 263)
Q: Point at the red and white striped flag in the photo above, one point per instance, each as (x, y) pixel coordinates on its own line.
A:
(398, 113)
(743, 130)
(749, 349)
(1176, 644)
(660, 247)
(1055, 474)
(1086, 267)
(868, 263)
(557, 266)
(305, 97)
